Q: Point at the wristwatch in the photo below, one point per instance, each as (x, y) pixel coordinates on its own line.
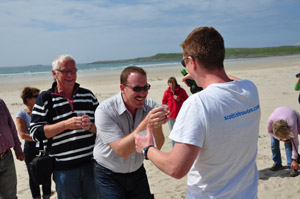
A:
(145, 151)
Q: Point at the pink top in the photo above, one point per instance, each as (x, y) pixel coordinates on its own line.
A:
(293, 120)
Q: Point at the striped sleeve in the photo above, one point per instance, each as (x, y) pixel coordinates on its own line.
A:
(39, 117)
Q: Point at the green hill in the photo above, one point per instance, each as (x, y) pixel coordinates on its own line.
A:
(262, 52)
(230, 53)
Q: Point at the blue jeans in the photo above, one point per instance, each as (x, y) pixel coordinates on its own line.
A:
(8, 177)
(171, 123)
(111, 185)
(75, 183)
(276, 155)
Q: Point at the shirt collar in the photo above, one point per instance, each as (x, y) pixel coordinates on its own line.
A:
(122, 108)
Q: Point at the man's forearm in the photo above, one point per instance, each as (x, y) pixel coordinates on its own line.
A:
(126, 145)
(165, 163)
(178, 162)
(52, 130)
(159, 137)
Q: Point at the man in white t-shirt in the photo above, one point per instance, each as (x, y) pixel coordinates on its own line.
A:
(216, 130)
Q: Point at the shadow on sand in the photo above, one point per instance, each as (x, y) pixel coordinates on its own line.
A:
(265, 174)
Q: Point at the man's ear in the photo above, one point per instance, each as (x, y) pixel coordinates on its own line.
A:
(54, 74)
(194, 63)
(122, 86)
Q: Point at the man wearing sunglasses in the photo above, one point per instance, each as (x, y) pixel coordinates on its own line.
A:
(216, 130)
(119, 171)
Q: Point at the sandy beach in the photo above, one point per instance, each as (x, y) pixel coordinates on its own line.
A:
(274, 77)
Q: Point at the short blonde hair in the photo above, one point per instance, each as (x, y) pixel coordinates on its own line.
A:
(282, 130)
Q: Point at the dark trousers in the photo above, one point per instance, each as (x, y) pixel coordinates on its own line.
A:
(8, 177)
(111, 185)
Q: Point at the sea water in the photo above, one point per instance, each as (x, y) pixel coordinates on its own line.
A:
(115, 65)
(40, 69)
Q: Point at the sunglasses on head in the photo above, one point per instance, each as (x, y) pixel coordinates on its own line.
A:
(183, 60)
(139, 88)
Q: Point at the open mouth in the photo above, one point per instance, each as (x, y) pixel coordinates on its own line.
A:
(69, 80)
(139, 98)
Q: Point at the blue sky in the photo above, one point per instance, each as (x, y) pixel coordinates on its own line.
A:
(36, 31)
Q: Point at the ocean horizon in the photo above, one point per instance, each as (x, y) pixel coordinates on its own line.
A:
(42, 69)
(34, 70)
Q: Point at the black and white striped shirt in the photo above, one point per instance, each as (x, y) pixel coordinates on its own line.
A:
(70, 148)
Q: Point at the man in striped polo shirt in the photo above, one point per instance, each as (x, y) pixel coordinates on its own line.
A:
(65, 113)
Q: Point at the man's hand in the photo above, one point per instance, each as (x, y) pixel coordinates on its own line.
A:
(294, 165)
(159, 115)
(74, 123)
(184, 78)
(20, 156)
(142, 141)
(85, 122)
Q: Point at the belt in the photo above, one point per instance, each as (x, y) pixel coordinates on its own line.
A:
(4, 154)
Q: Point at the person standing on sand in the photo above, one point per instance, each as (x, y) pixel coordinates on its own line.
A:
(119, 169)
(174, 97)
(65, 113)
(23, 118)
(8, 139)
(216, 130)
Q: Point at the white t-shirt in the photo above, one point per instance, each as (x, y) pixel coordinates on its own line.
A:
(223, 120)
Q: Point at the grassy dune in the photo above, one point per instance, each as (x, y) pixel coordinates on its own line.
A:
(262, 52)
(230, 53)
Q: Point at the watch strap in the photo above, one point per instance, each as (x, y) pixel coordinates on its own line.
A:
(145, 151)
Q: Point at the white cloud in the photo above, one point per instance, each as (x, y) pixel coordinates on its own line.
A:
(93, 30)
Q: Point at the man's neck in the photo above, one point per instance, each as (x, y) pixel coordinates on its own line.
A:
(213, 77)
(67, 93)
(131, 110)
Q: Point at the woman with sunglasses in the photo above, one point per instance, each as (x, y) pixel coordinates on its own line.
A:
(23, 119)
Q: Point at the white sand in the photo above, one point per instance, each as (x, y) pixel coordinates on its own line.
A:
(274, 77)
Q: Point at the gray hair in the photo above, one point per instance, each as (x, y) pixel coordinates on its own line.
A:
(60, 58)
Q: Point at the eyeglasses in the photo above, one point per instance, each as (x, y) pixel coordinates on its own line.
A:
(139, 88)
(65, 72)
(183, 60)
(34, 96)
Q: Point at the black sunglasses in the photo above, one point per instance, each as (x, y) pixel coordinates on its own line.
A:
(34, 96)
(139, 88)
(183, 60)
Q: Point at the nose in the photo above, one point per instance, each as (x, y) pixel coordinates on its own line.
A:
(70, 73)
(143, 93)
